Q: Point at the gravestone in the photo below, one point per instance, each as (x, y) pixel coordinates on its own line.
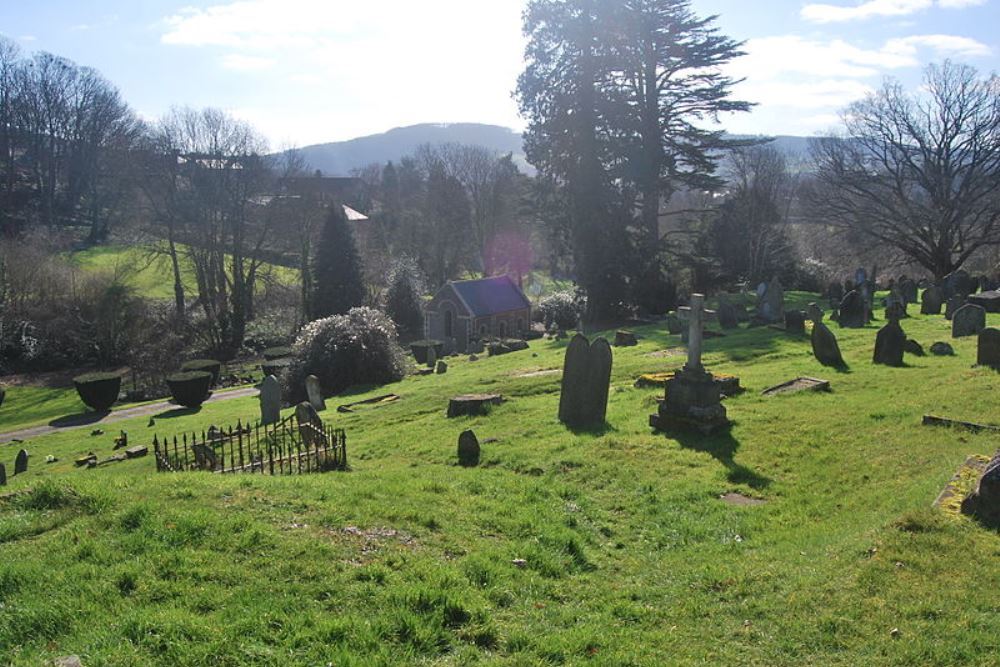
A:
(625, 338)
(583, 399)
(21, 462)
(674, 324)
(896, 302)
(955, 301)
(835, 293)
(988, 351)
(204, 457)
(969, 320)
(985, 500)
(989, 300)
(930, 303)
(814, 313)
(432, 357)
(270, 400)
(771, 303)
(468, 449)
(908, 288)
(441, 368)
(853, 310)
(860, 277)
(3, 475)
(727, 314)
(305, 413)
(913, 347)
(315, 393)
(795, 322)
(824, 346)
(959, 282)
(890, 342)
(692, 397)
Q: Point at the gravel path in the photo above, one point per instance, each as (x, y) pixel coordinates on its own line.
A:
(94, 421)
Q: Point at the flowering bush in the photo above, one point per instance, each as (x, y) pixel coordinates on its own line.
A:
(358, 347)
(563, 309)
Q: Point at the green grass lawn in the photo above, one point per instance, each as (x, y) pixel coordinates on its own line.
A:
(630, 558)
(151, 274)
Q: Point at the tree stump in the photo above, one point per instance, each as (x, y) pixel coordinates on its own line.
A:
(472, 404)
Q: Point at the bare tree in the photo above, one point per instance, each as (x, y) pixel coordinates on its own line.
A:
(918, 172)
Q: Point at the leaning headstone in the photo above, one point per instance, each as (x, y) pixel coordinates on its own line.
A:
(988, 351)
(890, 342)
(908, 288)
(468, 449)
(930, 303)
(432, 357)
(3, 475)
(21, 462)
(955, 301)
(441, 368)
(969, 320)
(795, 322)
(913, 347)
(853, 310)
(940, 349)
(583, 401)
(270, 400)
(305, 413)
(824, 346)
(771, 303)
(984, 501)
(315, 393)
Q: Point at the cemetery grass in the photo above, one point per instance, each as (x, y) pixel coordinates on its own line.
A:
(629, 556)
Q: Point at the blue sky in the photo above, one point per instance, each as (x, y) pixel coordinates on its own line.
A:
(309, 71)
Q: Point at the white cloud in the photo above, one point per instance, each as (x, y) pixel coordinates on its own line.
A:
(827, 13)
(244, 63)
(941, 45)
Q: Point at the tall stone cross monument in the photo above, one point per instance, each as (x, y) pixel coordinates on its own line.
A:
(692, 398)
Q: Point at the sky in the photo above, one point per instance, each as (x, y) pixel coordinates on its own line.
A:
(313, 71)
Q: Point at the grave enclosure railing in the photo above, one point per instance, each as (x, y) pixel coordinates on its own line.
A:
(283, 448)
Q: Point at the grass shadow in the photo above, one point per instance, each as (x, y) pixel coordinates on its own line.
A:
(597, 430)
(79, 419)
(722, 447)
(177, 412)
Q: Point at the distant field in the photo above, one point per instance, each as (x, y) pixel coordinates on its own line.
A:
(561, 548)
(150, 273)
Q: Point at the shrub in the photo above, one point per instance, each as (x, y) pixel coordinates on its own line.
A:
(358, 347)
(563, 309)
(98, 391)
(402, 298)
(279, 352)
(420, 349)
(208, 365)
(190, 388)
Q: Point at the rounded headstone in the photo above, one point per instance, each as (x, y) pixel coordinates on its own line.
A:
(853, 310)
(21, 462)
(940, 349)
(889, 345)
(468, 449)
(932, 300)
(969, 320)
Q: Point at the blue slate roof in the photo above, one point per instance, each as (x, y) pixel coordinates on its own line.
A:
(490, 296)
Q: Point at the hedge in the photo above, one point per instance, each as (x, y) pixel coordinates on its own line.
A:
(98, 391)
(190, 388)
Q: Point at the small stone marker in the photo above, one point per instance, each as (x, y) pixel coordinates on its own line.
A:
(204, 457)
(136, 452)
(441, 368)
(3, 475)
(67, 661)
(940, 349)
(21, 462)
(85, 460)
(270, 401)
(988, 352)
(586, 381)
(913, 347)
(932, 300)
(969, 320)
(315, 393)
(432, 357)
(955, 302)
(890, 342)
(853, 310)
(468, 449)
(625, 339)
(797, 385)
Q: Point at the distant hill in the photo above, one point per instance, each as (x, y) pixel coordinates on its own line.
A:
(341, 157)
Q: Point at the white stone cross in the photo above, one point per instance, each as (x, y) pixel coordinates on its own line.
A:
(695, 320)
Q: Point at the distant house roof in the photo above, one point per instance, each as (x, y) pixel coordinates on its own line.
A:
(352, 215)
(489, 296)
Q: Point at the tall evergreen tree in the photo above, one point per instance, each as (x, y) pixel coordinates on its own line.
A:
(338, 283)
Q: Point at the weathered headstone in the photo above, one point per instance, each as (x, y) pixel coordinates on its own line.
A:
(824, 345)
(969, 320)
(442, 367)
(940, 349)
(890, 342)
(959, 282)
(270, 400)
(727, 314)
(908, 288)
(989, 300)
(771, 303)
(674, 324)
(315, 393)
(305, 413)
(814, 313)
(988, 351)
(853, 310)
(21, 462)
(795, 322)
(955, 301)
(913, 347)
(205, 457)
(625, 338)
(432, 357)
(984, 501)
(896, 302)
(932, 300)
(835, 293)
(692, 397)
(468, 449)
(583, 401)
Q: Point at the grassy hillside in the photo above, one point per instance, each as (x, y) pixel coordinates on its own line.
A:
(151, 273)
(630, 557)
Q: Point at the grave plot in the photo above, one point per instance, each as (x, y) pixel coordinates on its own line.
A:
(289, 446)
